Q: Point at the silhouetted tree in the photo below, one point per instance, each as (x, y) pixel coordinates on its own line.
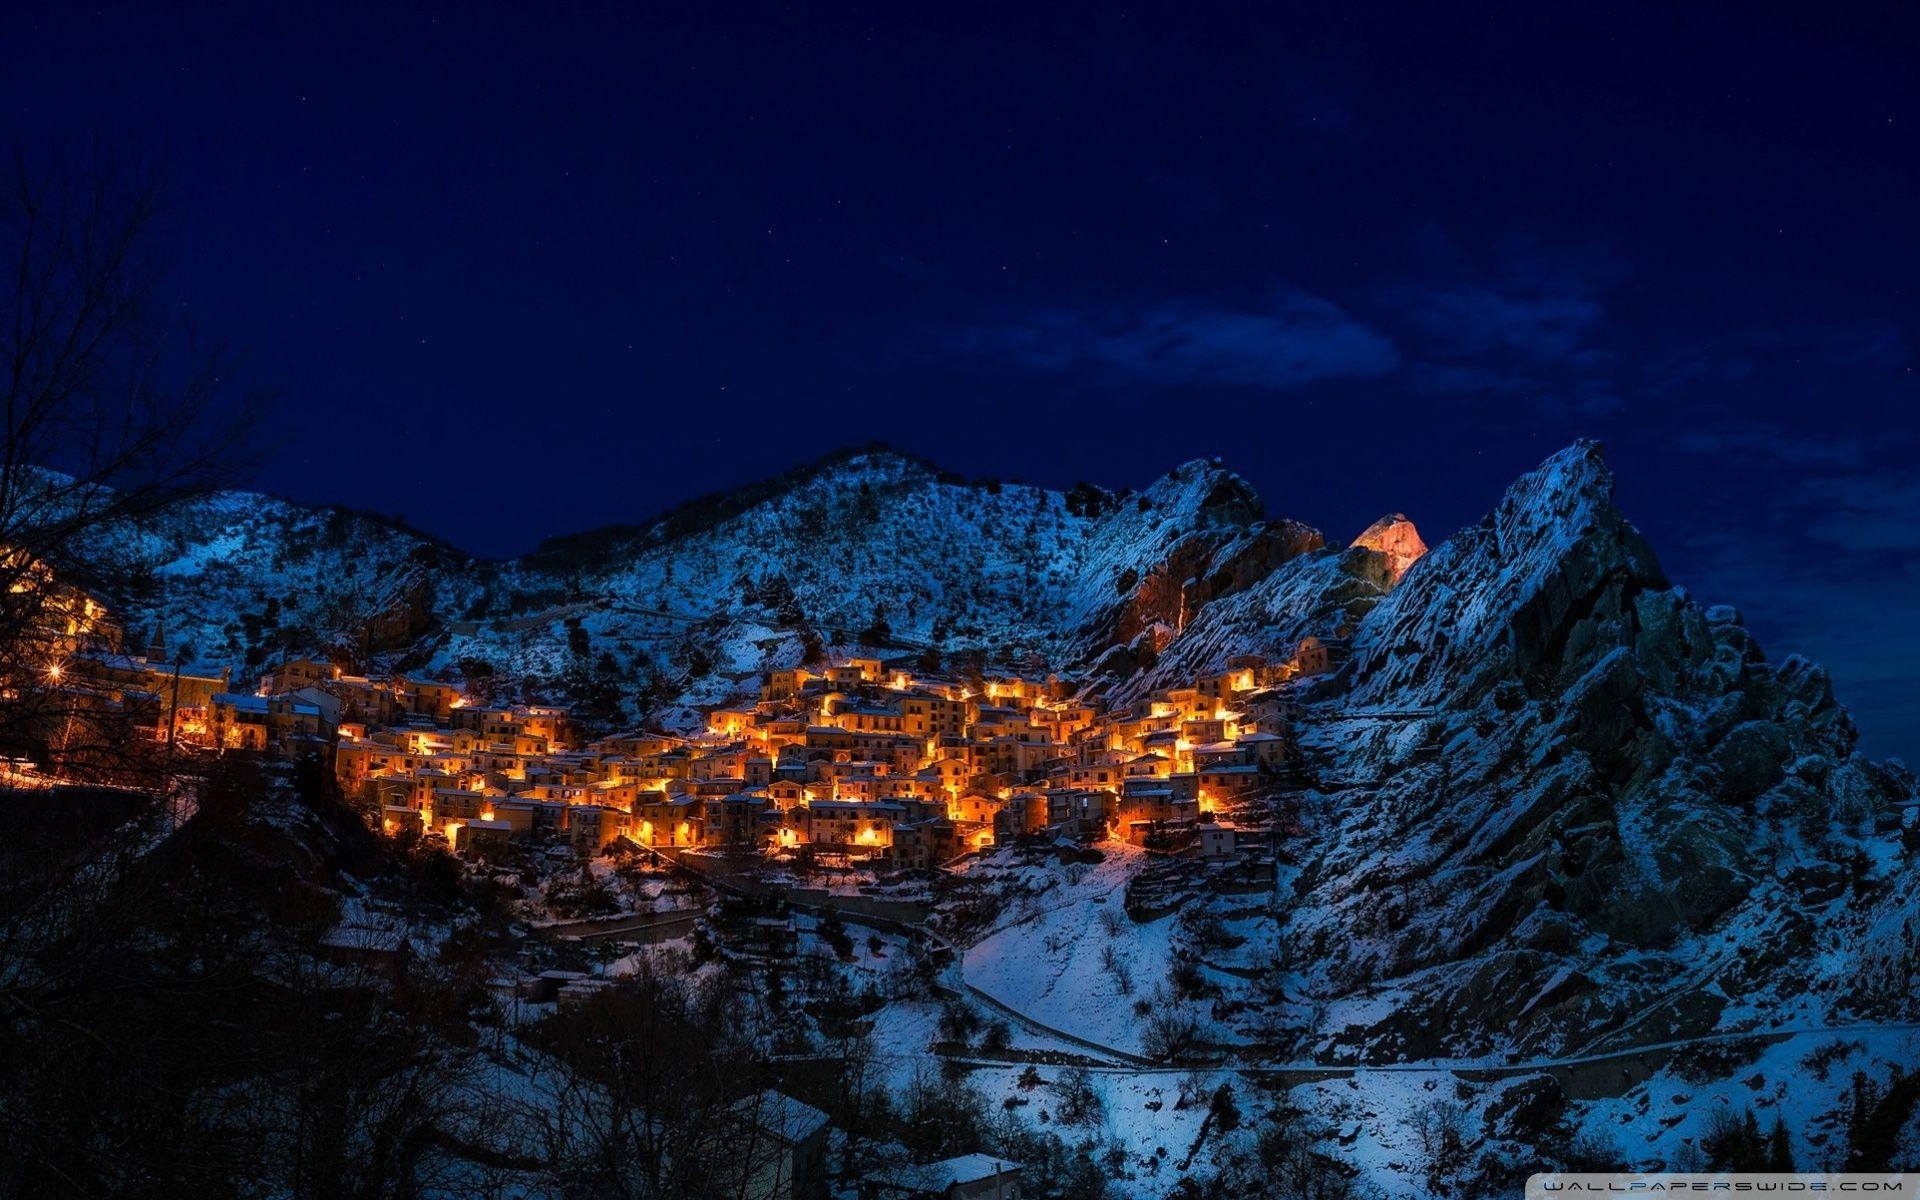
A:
(110, 412)
(1779, 1146)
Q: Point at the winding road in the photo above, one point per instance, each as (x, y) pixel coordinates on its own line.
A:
(1113, 1060)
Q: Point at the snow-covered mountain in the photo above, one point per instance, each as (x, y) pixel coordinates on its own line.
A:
(870, 548)
(1557, 807)
(1560, 794)
(1553, 788)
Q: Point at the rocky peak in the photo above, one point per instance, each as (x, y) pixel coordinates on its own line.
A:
(1555, 567)
(1206, 492)
(1548, 742)
(1395, 537)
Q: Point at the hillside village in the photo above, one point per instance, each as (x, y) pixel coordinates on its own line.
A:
(864, 758)
(868, 760)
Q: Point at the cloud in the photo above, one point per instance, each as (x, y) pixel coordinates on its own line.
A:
(1540, 303)
(1871, 513)
(1289, 342)
(1557, 395)
(1465, 322)
(1868, 348)
(1856, 490)
(1579, 398)
(1768, 443)
(1450, 379)
(1688, 368)
(1530, 328)
(1867, 345)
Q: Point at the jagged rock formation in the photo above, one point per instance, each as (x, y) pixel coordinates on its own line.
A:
(1567, 802)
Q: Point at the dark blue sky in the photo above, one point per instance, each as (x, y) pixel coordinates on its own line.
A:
(516, 273)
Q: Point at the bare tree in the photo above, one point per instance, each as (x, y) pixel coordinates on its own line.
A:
(1443, 1129)
(188, 1028)
(655, 1093)
(110, 412)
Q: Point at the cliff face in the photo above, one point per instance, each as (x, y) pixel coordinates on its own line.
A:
(1561, 801)
(1395, 537)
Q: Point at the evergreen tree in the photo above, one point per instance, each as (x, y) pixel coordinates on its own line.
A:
(1750, 1151)
(1863, 1100)
(878, 632)
(1224, 1112)
(778, 594)
(1779, 1146)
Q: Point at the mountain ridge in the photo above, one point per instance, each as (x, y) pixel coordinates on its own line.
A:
(240, 577)
(1548, 802)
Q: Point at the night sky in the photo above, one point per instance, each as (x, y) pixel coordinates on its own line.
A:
(514, 274)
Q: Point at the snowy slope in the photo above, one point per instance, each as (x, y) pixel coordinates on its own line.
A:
(238, 580)
(690, 610)
(1563, 807)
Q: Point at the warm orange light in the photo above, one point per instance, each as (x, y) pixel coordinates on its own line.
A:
(54, 672)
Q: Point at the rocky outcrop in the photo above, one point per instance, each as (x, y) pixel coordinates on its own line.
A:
(1394, 537)
(1204, 567)
(1627, 796)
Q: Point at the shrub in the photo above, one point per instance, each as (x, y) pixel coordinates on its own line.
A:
(1170, 1032)
(1732, 1140)
(1594, 1150)
(1441, 1129)
(1079, 1103)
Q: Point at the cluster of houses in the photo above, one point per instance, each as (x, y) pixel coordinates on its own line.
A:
(85, 706)
(863, 758)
